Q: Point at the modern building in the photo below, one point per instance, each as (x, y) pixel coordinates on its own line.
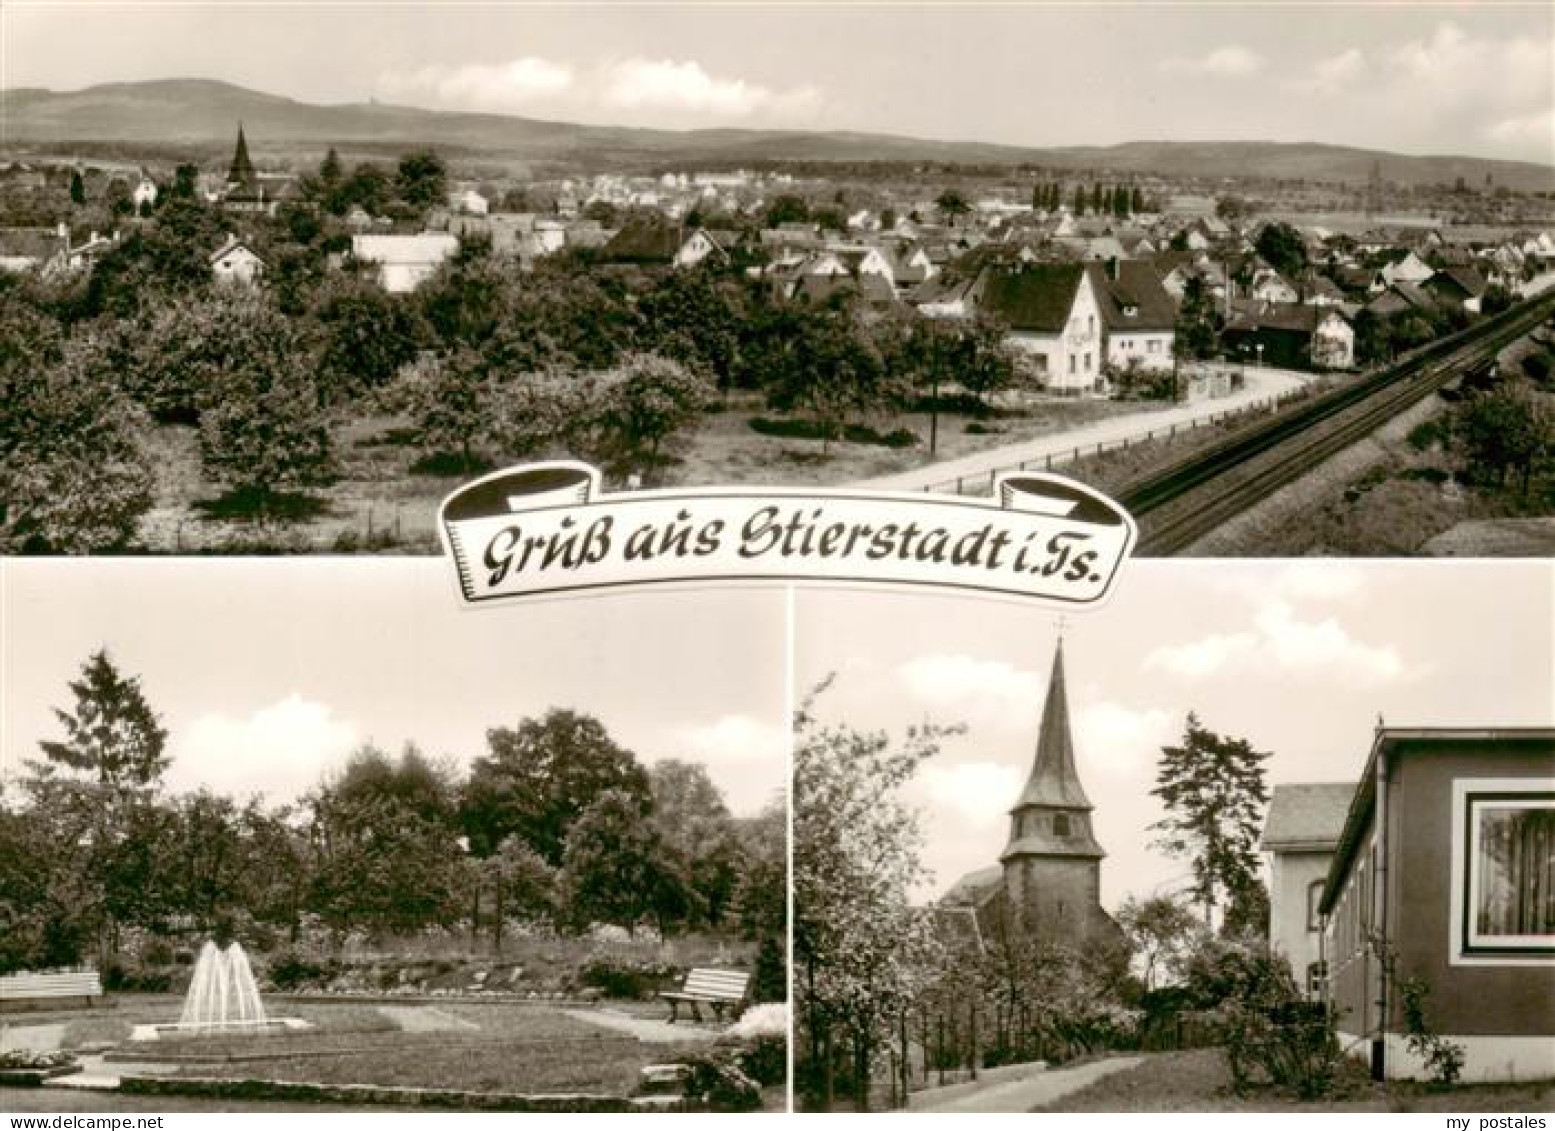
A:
(1445, 874)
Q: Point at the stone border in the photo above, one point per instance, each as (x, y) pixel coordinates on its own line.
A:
(34, 1077)
(373, 1095)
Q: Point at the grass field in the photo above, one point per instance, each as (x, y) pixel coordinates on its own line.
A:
(386, 497)
(1199, 1081)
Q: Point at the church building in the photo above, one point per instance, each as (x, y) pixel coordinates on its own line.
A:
(1047, 884)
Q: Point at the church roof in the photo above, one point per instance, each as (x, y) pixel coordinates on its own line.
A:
(1054, 780)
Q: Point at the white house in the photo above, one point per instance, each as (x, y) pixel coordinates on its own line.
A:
(404, 262)
(1054, 319)
(235, 262)
(1138, 315)
(469, 202)
(1300, 835)
(1407, 268)
(701, 244)
(144, 193)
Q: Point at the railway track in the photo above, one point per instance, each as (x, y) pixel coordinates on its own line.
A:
(1183, 503)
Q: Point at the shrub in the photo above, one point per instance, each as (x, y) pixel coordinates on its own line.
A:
(770, 980)
(290, 970)
(635, 981)
(1443, 1058)
(717, 1079)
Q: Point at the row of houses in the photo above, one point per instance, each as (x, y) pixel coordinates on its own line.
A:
(1436, 865)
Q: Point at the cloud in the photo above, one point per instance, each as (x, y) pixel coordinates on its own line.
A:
(1230, 61)
(280, 750)
(1119, 741)
(685, 87)
(515, 85)
(973, 691)
(1334, 74)
(732, 747)
(1283, 644)
(1536, 129)
(634, 89)
(979, 793)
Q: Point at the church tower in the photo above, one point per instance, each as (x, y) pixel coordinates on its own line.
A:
(242, 171)
(1052, 863)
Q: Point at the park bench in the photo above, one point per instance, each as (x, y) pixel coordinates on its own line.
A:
(61, 989)
(717, 988)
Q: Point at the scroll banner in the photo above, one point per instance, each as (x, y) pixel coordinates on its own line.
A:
(547, 528)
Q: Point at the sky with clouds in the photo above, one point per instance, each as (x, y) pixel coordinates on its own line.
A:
(1416, 78)
(1299, 658)
(268, 673)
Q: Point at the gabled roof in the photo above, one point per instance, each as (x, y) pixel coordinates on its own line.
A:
(1465, 279)
(1308, 815)
(643, 243)
(1037, 296)
(230, 245)
(1297, 317)
(1136, 288)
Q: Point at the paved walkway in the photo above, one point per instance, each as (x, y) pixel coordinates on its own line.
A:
(1017, 1087)
(654, 1032)
(424, 1019)
(1262, 384)
(34, 1038)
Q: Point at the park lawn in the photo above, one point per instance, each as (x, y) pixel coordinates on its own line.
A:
(600, 1063)
(1199, 1081)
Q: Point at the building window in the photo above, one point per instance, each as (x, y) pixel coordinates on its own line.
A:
(1154, 346)
(1087, 362)
(1071, 363)
(1509, 870)
(1317, 979)
(1314, 899)
(1060, 824)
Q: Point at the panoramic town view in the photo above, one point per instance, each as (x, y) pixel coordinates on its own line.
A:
(243, 316)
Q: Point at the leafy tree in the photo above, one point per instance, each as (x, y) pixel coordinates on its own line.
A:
(368, 335)
(787, 209)
(1510, 428)
(75, 472)
(263, 430)
(422, 179)
(952, 205)
(118, 197)
(539, 776)
(1230, 208)
(694, 317)
(521, 882)
(1214, 791)
(1198, 323)
(857, 939)
(1284, 249)
(614, 868)
(645, 402)
(1162, 933)
(829, 371)
(694, 825)
(330, 170)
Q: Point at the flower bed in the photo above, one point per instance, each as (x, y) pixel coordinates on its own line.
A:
(366, 1094)
(25, 1068)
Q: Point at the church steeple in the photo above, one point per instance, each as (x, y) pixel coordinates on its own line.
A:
(1054, 780)
(242, 171)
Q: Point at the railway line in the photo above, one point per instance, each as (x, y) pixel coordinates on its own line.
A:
(1182, 503)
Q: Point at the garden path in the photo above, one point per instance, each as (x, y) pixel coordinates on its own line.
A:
(424, 1019)
(1018, 1087)
(654, 1032)
(35, 1038)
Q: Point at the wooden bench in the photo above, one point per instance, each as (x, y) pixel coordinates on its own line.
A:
(718, 988)
(52, 990)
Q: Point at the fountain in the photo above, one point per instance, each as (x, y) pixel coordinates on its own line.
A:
(222, 999)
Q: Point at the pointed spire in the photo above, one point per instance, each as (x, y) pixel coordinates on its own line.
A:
(242, 171)
(1054, 780)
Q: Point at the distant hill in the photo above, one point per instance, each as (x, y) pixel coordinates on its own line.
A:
(206, 112)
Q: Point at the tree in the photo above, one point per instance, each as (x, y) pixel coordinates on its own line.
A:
(1162, 933)
(694, 825)
(644, 403)
(787, 209)
(539, 776)
(75, 471)
(521, 881)
(77, 188)
(614, 869)
(263, 430)
(828, 370)
(1284, 249)
(422, 179)
(112, 736)
(694, 317)
(368, 335)
(760, 897)
(1510, 428)
(118, 198)
(1230, 208)
(330, 171)
(1078, 207)
(1198, 335)
(952, 205)
(858, 942)
(1214, 791)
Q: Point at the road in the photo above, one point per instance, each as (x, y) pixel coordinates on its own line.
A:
(1262, 384)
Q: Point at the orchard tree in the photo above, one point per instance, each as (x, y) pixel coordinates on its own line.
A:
(76, 473)
(1198, 335)
(368, 335)
(1214, 791)
(539, 776)
(859, 943)
(1284, 249)
(614, 868)
(1162, 933)
(645, 403)
(1508, 429)
(521, 883)
(422, 179)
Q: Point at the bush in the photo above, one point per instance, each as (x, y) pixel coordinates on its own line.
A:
(717, 1079)
(290, 970)
(770, 980)
(1443, 1058)
(635, 981)
(123, 978)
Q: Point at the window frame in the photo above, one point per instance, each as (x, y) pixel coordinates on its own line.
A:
(1464, 948)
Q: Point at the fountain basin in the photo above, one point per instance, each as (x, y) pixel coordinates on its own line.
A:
(218, 1028)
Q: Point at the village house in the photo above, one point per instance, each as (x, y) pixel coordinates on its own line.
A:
(1138, 315)
(1290, 336)
(144, 193)
(237, 263)
(1404, 266)
(404, 262)
(1458, 286)
(1445, 873)
(1300, 834)
(703, 244)
(1053, 319)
